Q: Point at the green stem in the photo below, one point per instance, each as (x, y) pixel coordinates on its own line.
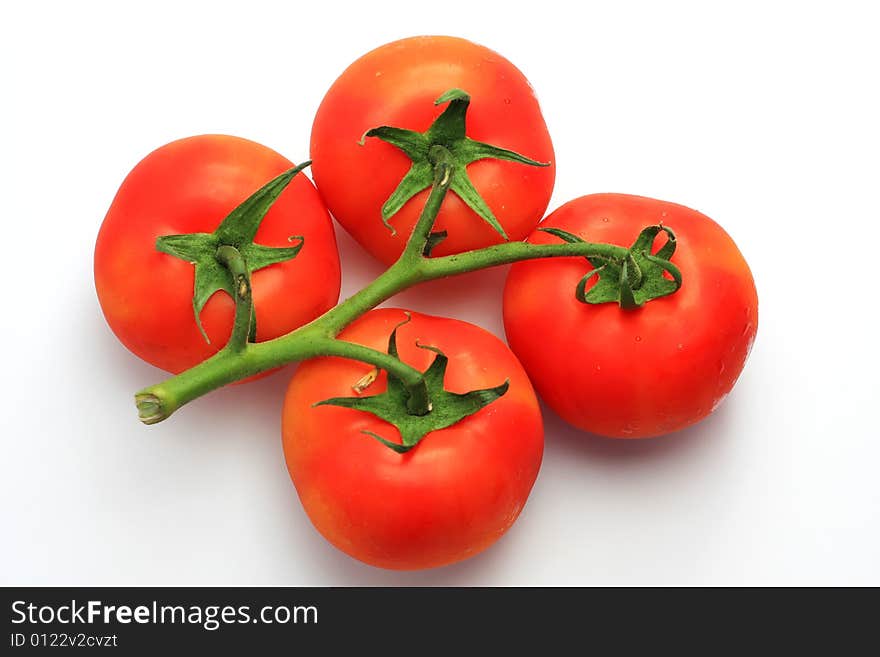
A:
(505, 254)
(241, 359)
(318, 338)
(229, 365)
(443, 170)
(231, 258)
(404, 273)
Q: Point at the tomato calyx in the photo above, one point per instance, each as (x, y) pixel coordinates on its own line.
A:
(444, 409)
(634, 279)
(209, 252)
(447, 135)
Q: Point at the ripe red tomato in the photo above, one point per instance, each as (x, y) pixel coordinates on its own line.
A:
(453, 494)
(189, 186)
(633, 373)
(396, 85)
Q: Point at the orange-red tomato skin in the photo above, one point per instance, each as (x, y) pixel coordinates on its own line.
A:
(633, 373)
(396, 85)
(453, 494)
(190, 185)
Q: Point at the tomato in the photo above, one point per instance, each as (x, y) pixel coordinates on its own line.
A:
(190, 186)
(453, 494)
(633, 373)
(396, 85)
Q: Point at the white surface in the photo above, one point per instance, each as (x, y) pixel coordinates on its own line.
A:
(763, 115)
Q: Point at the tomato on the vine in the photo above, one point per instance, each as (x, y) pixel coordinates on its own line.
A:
(641, 372)
(397, 85)
(453, 494)
(190, 186)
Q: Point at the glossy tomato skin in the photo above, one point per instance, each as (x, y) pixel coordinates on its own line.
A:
(190, 185)
(397, 85)
(637, 373)
(452, 495)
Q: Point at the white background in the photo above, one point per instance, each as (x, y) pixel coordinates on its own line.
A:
(762, 115)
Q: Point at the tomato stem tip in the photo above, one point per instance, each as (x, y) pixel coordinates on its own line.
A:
(150, 408)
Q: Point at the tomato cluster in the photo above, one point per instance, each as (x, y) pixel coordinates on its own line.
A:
(611, 369)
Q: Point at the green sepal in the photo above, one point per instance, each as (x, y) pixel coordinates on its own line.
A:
(446, 408)
(448, 131)
(238, 230)
(634, 279)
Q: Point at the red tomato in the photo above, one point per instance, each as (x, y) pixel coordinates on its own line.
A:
(396, 85)
(453, 494)
(189, 186)
(633, 373)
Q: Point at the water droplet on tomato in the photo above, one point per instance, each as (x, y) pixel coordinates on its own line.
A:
(638, 338)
